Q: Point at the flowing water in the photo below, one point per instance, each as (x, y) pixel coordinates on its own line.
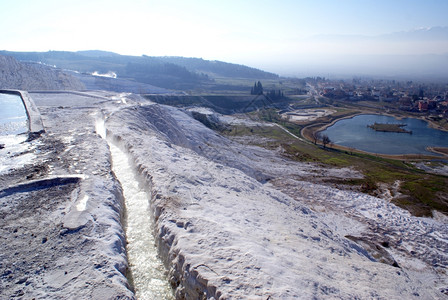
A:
(147, 271)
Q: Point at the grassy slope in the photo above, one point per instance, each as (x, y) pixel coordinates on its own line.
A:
(422, 192)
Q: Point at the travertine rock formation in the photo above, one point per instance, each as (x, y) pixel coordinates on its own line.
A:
(33, 76)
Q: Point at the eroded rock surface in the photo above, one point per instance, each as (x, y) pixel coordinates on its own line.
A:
(60, 222)
(226, 233)
(33, 76)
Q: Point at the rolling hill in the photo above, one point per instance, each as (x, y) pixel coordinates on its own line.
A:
(167, 72)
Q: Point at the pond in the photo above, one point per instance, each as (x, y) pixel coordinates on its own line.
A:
(13, 117)
(355, 133)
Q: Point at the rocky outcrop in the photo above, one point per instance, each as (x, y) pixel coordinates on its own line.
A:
(34, 76)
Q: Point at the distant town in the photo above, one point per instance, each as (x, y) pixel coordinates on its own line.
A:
(407, 96)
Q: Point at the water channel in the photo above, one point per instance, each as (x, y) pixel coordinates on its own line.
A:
(148, 276)
(13, 118)
(355, 133)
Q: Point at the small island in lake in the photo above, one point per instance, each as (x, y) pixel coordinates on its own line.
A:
(385, 127)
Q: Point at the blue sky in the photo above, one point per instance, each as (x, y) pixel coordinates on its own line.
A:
(250, 32)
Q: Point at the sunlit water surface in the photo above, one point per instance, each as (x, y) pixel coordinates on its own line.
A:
(354, 133)
(13, 118)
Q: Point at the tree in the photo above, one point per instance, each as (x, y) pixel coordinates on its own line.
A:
(274, 95)
(257, 89)
(316, 137)
(325, 140)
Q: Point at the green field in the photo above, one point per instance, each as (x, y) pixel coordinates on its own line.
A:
(421, 192)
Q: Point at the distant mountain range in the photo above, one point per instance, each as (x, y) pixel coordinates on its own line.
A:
(421, 34)
(167, 72)
(417, 35)
(420, 54)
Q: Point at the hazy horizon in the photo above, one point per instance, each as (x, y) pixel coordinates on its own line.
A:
(391, 38)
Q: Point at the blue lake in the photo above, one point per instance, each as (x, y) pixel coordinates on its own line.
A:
(354, 133)
(13, 118)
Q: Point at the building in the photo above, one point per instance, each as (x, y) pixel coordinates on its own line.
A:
(422, 106)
